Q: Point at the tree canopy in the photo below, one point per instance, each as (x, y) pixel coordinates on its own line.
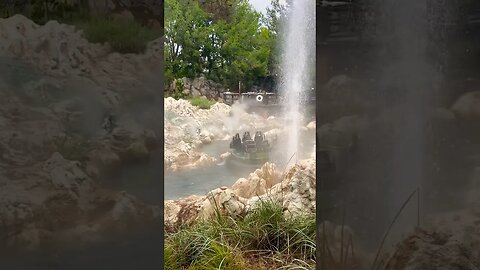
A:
(237, 44)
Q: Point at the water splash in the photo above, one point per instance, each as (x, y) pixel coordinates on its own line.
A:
(297, 53)
(409, 72)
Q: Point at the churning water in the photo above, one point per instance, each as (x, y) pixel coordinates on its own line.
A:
(298, 50)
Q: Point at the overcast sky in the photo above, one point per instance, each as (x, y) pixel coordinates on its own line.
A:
(260, 5)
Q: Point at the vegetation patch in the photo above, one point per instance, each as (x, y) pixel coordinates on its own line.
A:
(201, 102)
(123, 37)
(201, 41)
(262, 239)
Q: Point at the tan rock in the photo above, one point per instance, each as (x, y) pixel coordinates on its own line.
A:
(296, 191)
(182, 212)
(247, 188)
(257, 182)
(223, 200)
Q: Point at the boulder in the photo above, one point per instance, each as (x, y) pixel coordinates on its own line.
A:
(182, 212)
(296, 192)
(257, 182)
(432, 250)
(223, 200)
(468, 106)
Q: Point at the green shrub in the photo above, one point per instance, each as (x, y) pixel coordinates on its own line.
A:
(178, 90)
(202, 103)
(123, 37)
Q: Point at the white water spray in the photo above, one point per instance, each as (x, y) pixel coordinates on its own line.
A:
(297, 52)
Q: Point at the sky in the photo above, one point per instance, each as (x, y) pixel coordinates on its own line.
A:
(260, 5)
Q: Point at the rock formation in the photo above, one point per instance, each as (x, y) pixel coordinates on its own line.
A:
(451, 241)
(295, 191)
(199, 87)
(468, 106)
(186, 127)
(71, 110)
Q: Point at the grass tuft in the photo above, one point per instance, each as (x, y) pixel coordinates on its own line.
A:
(263, 239)
(201, 102)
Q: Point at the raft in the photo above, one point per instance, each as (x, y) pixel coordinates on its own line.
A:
(249, 151)
(253, 157)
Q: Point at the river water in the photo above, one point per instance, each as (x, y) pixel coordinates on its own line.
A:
(202, 180)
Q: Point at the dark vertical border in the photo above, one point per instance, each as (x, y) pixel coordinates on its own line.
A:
(162, 135)
(317, 87)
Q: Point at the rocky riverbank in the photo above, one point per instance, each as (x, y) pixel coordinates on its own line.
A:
(70, 112)
(294, 190)
(187, 127)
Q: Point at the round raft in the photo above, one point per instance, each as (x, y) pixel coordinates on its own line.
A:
(250, 150)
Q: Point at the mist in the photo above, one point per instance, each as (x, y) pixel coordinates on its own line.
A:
(403, 80)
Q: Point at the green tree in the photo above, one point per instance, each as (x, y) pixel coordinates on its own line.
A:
(224, 50)
(275, 17)
(246, 49)
(185, 22)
